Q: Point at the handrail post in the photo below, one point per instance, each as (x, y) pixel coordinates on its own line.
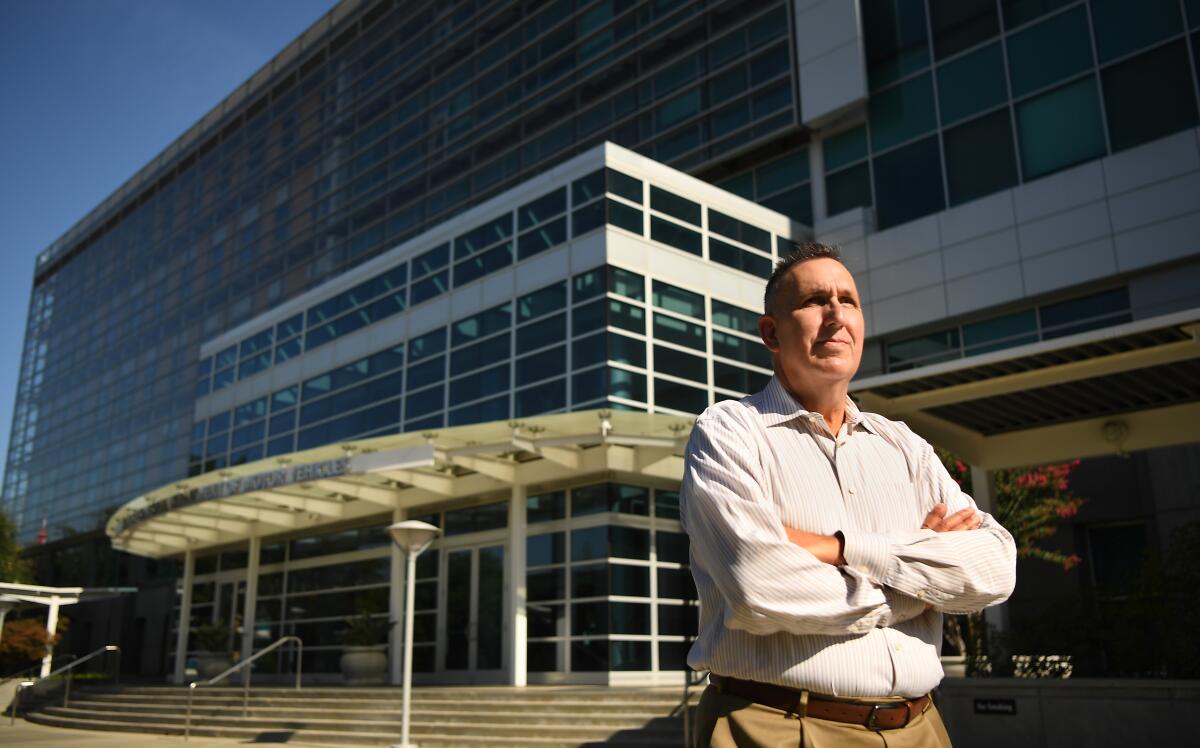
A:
(67, 690)
(246, 691)
(187, 725)
(299, 660)
(117, 679)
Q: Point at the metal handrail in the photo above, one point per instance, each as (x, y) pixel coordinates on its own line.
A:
(70, 675)
(187, 727)
(68, 669)
(26, 683)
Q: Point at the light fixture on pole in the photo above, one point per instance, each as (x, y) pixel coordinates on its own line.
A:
(412, 537)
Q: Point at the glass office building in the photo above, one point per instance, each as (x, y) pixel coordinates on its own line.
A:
(406, 223)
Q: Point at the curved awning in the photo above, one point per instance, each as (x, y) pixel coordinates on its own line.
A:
(339, 482)
(1128, 387)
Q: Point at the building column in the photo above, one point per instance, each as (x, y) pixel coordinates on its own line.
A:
(396, 607)
(51, 628)
(185, 616)
(518, 621)
(251, 602)
(983, 490)
(816, 167)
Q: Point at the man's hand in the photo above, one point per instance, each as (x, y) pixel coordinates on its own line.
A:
(965, 519)
(827, 548)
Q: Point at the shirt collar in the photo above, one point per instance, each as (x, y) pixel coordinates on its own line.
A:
(776, 406)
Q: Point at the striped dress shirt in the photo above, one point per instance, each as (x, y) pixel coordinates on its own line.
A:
(769, 610)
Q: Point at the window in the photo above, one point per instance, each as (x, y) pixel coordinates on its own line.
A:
(1001, 332)
(960, 24)
(679, 397)
(680, 364)
(896, 39)
(926, 349)
(543, 301)
(624, 185)
(1149, 96)
(674, 205)
(625, 217)
(1060, 128)
(1085, 313)
(1017, 12)
(972, 83)
(908, 183)
(675, 299)
(979, 157)
(674, 235)
(1050, 51)
(610, 497)
(1122, 27)
(901, 113)
(734, 317)
(847, 189)
(678, 331)
(739, 230)
(626, 283)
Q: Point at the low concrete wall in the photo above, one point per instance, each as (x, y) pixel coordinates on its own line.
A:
(1050, 713)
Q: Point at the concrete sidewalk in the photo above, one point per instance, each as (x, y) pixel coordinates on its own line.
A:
(24, 734)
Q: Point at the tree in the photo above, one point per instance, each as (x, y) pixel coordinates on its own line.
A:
(12, 567)
(1031, 503)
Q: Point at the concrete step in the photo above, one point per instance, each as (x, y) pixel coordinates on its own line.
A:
(318, 737)
(436, 693)
(420, 726)
(562, 705)
(458, 712)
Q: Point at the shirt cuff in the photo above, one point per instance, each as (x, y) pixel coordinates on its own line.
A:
(868, 554)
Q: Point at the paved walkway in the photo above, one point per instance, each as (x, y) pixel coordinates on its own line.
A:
(26, 734)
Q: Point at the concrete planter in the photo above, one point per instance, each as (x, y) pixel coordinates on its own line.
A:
(211, 664)
(364, 666)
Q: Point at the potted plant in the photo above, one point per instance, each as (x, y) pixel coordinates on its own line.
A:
(212, 643)
(364, 659)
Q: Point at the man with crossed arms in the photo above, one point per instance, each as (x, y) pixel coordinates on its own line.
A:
(826, 543)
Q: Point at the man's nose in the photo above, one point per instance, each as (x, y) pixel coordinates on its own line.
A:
(835, 312)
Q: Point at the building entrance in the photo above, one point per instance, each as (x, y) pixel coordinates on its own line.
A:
(473, 639)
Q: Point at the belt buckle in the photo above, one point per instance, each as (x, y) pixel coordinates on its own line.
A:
(873, 725)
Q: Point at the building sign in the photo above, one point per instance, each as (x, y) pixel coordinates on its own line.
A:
(263, 481)
(996, 706)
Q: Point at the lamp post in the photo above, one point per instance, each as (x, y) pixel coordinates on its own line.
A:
(412, 537)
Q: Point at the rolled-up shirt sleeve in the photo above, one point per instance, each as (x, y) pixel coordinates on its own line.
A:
(767, 583)
(955, 572)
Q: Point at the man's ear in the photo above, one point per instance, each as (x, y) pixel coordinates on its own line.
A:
(768, 333)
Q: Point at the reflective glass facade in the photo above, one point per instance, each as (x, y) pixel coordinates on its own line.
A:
(388, 118)
(969, 97)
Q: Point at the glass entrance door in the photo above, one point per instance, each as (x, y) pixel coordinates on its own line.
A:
(231, 601)
(473, 648)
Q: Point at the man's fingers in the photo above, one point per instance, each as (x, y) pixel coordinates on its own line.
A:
(964, 519)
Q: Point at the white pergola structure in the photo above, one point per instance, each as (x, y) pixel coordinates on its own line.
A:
(306, 490)
(12, 594)
(1118, 389)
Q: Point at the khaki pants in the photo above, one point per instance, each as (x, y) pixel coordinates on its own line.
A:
(728, 721)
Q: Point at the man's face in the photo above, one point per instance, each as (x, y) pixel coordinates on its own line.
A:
(815, 327)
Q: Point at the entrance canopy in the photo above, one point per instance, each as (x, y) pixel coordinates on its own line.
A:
(1128, 387)
(338, 482)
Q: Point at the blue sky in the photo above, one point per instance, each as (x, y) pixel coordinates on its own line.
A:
(90, 91)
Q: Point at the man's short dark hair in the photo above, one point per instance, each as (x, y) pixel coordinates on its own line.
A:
(800, 252)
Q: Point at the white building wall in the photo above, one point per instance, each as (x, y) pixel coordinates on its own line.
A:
(1120, 215)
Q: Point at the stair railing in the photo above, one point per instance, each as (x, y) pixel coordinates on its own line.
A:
(70, 671)
(245, 663)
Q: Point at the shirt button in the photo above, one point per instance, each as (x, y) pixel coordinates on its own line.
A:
(899, 647)
(850, 490)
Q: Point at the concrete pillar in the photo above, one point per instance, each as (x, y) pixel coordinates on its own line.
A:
(518, 622)
(251, 603)
(983, 490)
(185, 616)
(816, 168)
(396, 607)
(51, 628)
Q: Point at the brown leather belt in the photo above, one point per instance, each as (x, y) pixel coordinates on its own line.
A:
(885, 715)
